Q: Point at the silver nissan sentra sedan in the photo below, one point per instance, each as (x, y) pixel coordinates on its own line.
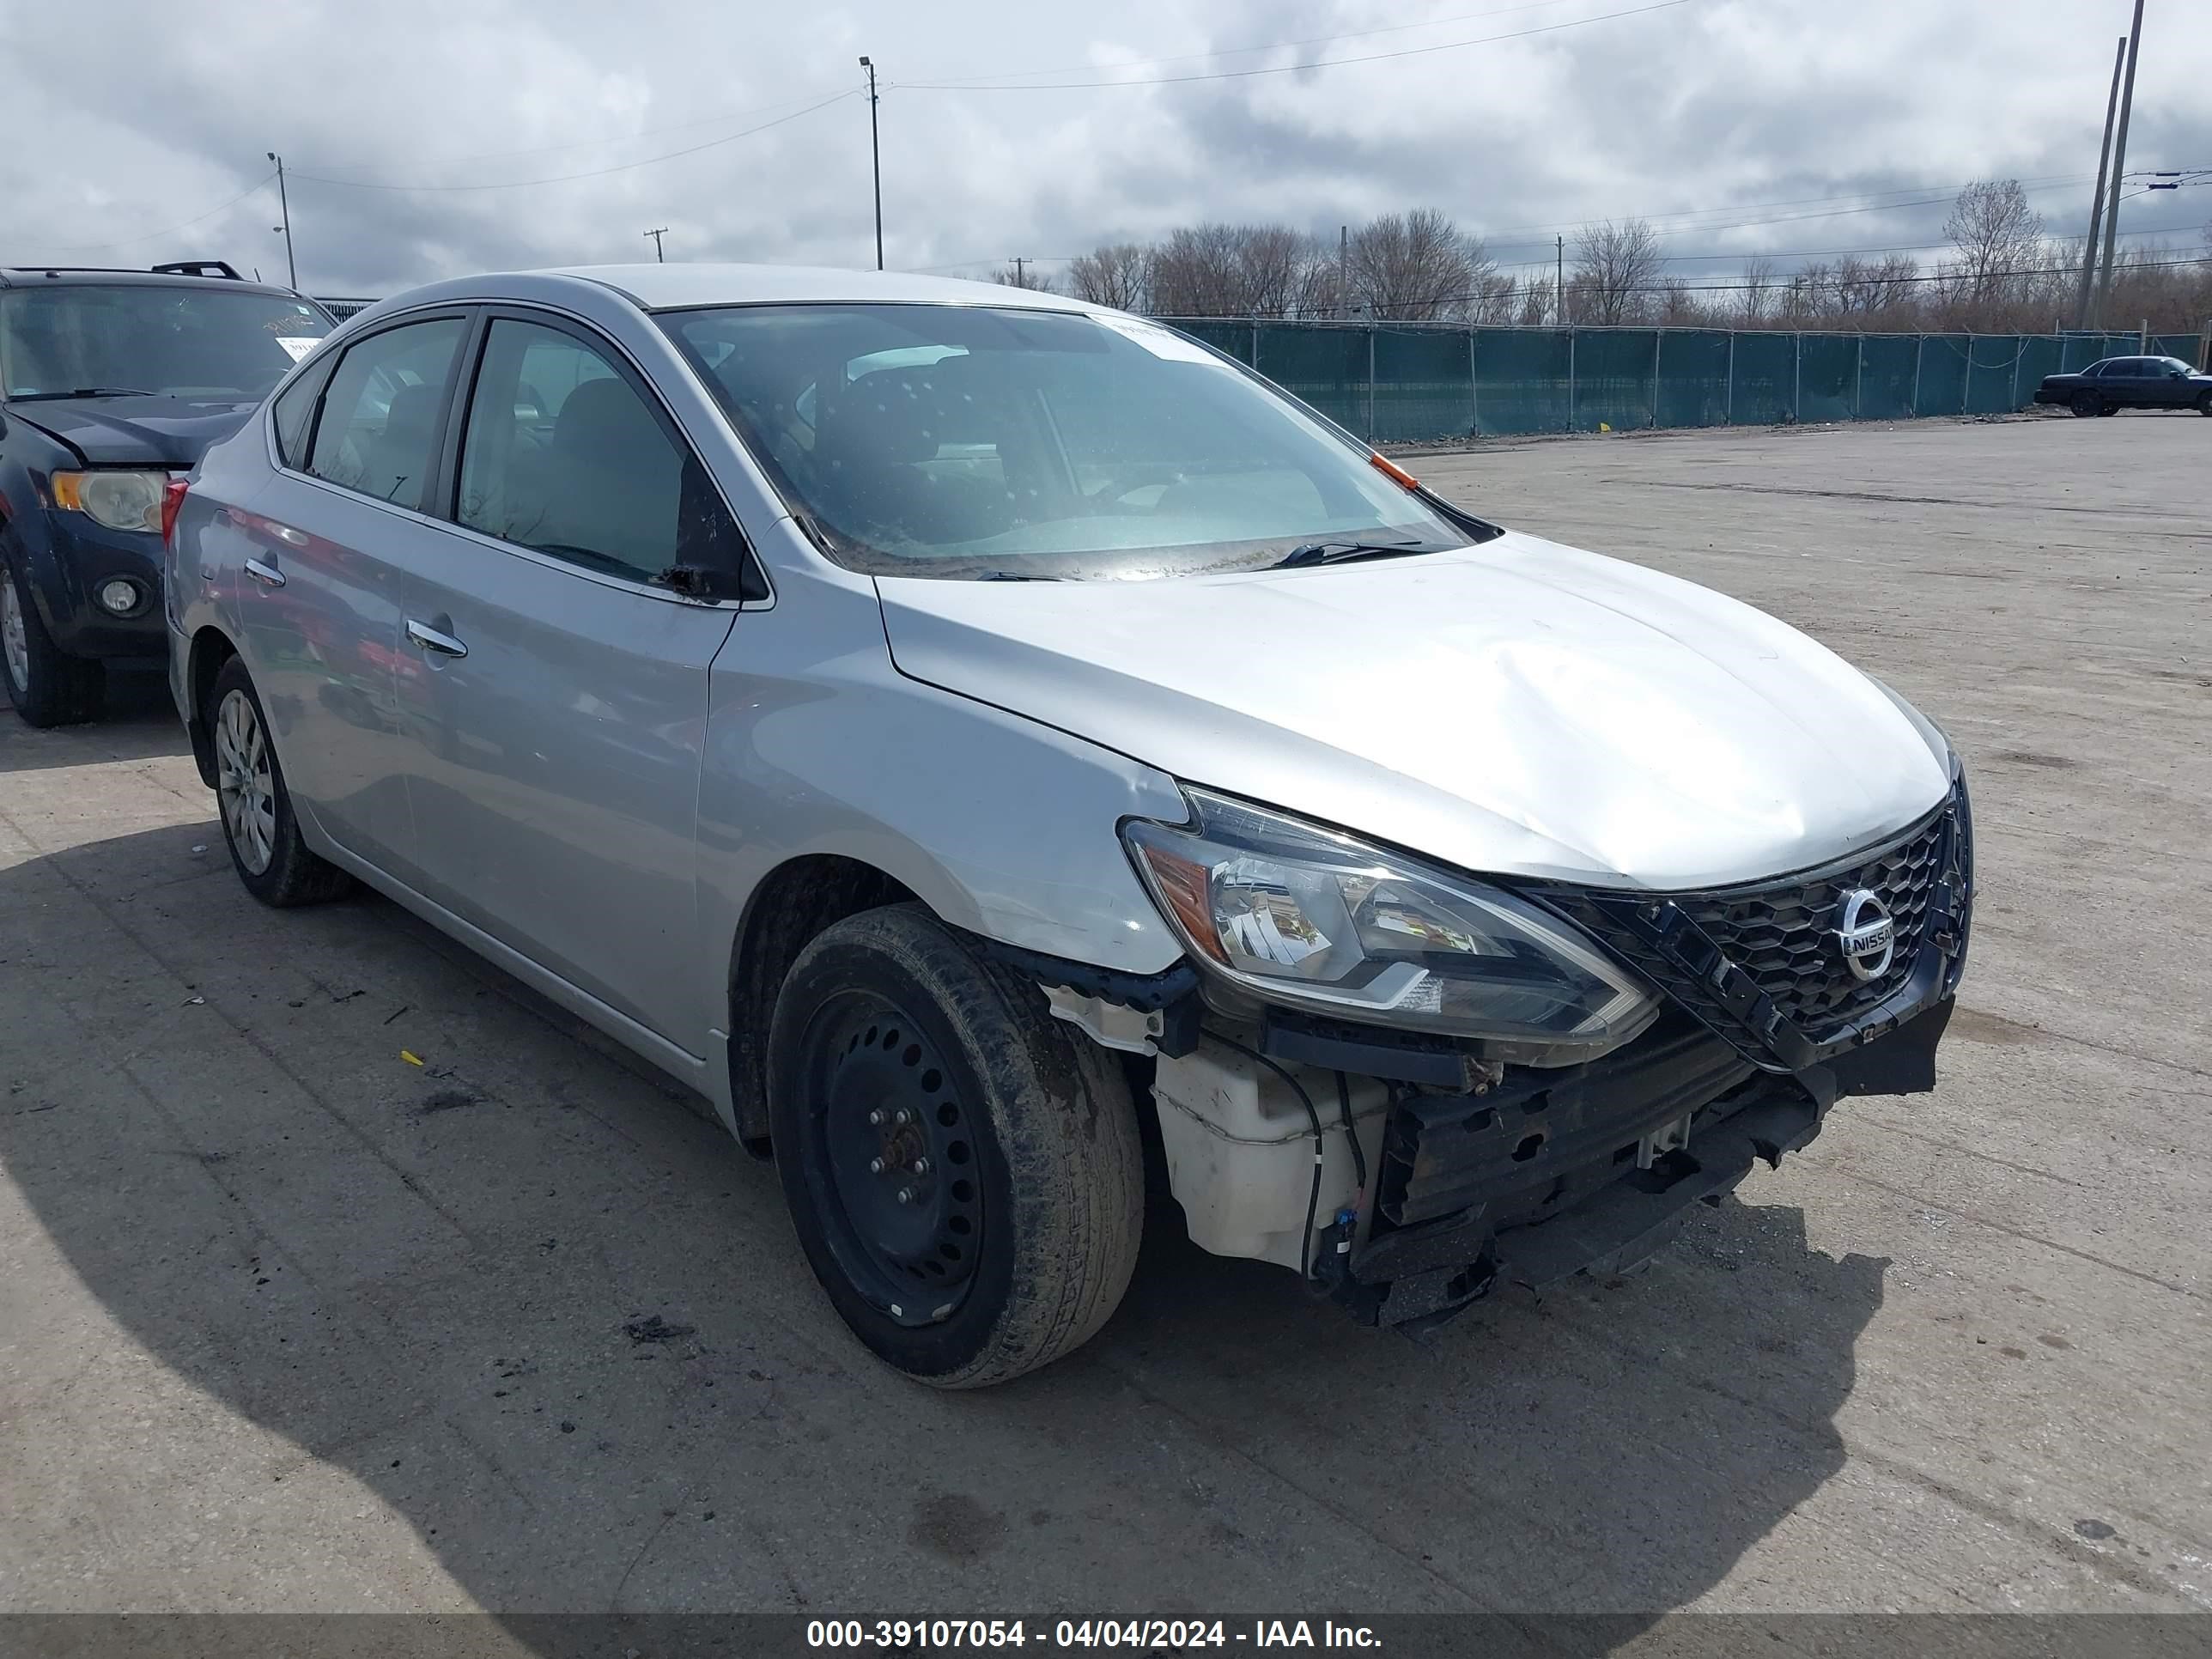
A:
(989, 746)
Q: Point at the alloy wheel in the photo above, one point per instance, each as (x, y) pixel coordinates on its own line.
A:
(245, 782)
(14, 637)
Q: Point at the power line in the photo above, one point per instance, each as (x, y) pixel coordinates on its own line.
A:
(1289, 69)
(1824, 252)
(1785, 284)
(596, 172)
(550, 149)
(151, 235)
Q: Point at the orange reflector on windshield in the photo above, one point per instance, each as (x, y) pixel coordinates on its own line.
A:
(1395, 473)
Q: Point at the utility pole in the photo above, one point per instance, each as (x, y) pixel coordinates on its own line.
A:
(2119, 162)
(1560, 280)
(1019, 279)
(876, 157)
(291, 271)
(657, 235)
(1344, 269)
(2097, 201)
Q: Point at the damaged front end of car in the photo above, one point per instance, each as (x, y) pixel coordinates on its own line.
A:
(1413, 1088)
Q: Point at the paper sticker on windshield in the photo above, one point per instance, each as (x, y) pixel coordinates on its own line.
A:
(299, 346)
(1161, 342)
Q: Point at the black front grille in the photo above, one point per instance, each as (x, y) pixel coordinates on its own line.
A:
(1762, 965)
(1784, 937)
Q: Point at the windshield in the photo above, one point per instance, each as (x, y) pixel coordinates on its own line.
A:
(175, 339)
(974, 443)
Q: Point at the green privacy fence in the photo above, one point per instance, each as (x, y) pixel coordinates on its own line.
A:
(1409, 382)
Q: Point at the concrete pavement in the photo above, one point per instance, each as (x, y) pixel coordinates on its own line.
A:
(288, 1322)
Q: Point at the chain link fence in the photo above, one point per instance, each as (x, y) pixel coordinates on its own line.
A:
(1408, 383)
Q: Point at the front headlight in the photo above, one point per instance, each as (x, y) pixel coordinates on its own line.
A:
(1302, 916)
(121, 499)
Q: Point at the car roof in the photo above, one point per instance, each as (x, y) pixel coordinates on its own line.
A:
(675, 287)
(95, 276)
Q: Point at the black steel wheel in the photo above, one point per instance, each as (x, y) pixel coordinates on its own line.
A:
(2087, 402)
(2204, 403)
(896, 1158)
(964, 1171)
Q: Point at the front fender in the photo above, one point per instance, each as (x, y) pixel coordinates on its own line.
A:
(1001, 825)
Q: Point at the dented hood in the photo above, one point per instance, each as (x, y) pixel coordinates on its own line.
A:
(137, 431)
(1518, 706)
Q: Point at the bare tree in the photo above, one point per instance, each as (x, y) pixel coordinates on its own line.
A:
(1998, 236)
(1497, 299)
(1232, 271)
(1535, 302)
(1414, 266)
(1117, 273)
(1024, 275)
(1616, 267)
(1679, 306)
(1758, 287)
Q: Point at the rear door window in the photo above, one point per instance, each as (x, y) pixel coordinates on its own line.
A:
(295, 413)
(563, 454)
(378, 429)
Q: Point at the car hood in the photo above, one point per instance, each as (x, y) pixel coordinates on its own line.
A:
(135, 431)
(1518, 706)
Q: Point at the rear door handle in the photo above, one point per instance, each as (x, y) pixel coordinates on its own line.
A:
(268, 574)
(431, 640)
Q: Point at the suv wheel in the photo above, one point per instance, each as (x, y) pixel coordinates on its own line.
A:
(965, 1171)
(257, 820)
(47, 686)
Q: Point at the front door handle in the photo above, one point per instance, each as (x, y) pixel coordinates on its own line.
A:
(431, 640)
(268, 574)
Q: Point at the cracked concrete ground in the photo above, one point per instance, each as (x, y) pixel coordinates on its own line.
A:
(287, 1322)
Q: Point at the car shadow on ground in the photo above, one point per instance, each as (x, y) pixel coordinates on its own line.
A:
(140, 723)
(557, 1324)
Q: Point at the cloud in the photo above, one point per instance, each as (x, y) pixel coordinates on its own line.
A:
(1713, 105)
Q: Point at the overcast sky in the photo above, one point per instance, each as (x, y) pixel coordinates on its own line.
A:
(129, 117)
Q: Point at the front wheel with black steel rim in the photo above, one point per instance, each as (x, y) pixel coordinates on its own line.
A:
(47, 686)
(965, 1171)
(258, 821)
(2087, 402)
(2204, 403)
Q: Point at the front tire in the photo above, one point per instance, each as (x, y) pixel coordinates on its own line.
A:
(2087, 402)
(258, 823)
(965, 1171)
(2204, 403)
(48, 686)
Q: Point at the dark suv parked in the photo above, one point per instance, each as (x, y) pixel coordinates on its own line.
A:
(111, 382)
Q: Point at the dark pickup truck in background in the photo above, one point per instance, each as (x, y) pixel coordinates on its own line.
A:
(2118, 383)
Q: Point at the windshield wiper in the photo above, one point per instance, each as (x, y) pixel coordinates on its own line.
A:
(83, 391)
(1341, 552)
(1012, 576)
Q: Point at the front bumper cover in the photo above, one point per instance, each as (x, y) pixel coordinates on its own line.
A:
(1589, 1167)
(1589, 1206)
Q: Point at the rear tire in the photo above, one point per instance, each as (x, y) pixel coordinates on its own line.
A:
(258, 823)
(965, 1171)
(48, 686)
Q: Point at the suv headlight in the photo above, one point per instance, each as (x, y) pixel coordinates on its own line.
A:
(1305, 917)
(121, 499)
